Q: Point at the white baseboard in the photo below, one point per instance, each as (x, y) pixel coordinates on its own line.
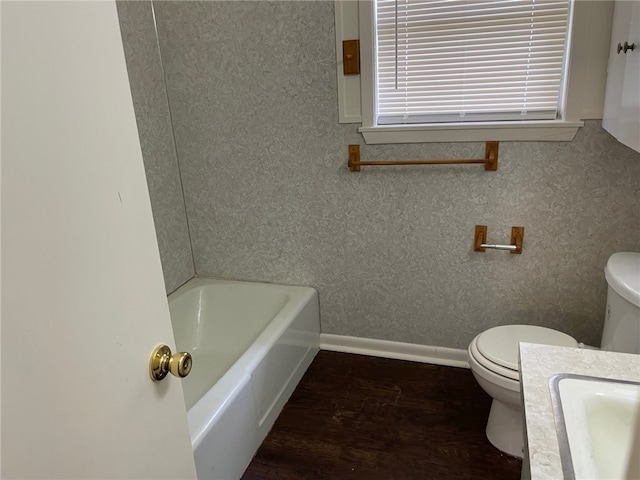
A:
(451, 357)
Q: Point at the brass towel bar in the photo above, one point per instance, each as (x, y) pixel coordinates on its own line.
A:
(490, 159)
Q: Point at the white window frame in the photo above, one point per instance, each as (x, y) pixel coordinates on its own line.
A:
(586, 77)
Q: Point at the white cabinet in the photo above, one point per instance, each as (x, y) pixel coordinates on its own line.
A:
(621, 115)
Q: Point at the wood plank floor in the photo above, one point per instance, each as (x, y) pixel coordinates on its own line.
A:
(359, 417)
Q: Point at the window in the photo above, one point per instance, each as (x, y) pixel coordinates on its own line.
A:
(461, 60)
(462, 70)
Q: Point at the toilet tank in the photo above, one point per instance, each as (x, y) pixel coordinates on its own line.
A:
(621, 331)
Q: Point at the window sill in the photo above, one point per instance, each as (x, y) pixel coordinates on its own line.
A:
(555, 130)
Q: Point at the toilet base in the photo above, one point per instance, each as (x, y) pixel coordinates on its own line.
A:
(504, 428)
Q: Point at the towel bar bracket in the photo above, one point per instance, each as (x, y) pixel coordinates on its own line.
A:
(491, 156)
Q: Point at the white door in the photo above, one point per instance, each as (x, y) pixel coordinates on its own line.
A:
(83, 302)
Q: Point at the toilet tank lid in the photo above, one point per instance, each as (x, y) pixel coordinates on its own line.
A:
(623, 275)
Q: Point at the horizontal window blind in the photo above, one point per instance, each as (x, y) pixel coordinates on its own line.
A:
(471, 60)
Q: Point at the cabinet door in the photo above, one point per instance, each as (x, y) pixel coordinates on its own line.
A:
(621, 115)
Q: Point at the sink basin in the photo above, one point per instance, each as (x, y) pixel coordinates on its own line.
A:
(597, 423)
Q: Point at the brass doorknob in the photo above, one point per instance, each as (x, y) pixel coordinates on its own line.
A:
(162, 362)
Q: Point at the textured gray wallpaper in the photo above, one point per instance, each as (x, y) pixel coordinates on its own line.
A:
(252, 87)
(158, 149)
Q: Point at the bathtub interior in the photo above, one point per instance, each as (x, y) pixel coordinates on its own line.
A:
(218, 323)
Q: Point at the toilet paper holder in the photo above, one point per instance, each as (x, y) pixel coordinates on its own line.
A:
(480, 240)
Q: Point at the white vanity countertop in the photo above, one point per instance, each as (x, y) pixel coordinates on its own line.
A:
(538, 363)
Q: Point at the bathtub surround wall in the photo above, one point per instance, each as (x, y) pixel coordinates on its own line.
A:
(252, 87)
(156, 138)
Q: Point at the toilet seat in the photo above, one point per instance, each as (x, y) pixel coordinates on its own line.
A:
(487, 364)
(496, 349)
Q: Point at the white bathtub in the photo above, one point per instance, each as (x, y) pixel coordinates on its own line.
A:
(251, 343)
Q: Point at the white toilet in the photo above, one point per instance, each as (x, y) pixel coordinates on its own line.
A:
(493, 355)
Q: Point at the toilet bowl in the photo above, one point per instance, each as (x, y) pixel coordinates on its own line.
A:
(493, 357)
